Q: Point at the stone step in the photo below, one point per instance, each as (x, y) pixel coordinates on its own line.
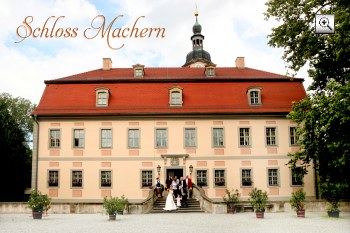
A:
(193, 207)
(176, 211)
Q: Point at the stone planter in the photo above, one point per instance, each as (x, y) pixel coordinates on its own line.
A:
(333, 214)
(301, 213)
(37, 214)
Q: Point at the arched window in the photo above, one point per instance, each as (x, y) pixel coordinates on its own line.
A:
(254, 96)
(175, 96)
(102, 96)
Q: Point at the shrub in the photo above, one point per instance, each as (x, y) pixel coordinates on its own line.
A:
(38, 202)
(298, 199)
(258, 199)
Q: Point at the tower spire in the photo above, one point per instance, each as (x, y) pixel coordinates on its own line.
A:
(198, 54)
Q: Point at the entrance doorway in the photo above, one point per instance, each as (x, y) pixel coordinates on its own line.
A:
(179, 172)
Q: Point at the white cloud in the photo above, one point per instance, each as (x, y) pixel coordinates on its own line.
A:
(231, 28)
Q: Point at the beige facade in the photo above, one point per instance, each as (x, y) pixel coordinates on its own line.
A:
(126, 164)
(113, 131)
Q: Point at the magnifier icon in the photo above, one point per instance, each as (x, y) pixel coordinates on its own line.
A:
(324, 22)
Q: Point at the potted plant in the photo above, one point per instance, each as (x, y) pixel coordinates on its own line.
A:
(258, 200)
(114, 205)
(231, 199)
(38, 203)
(123, 202)
(332, 192)
(297, 202)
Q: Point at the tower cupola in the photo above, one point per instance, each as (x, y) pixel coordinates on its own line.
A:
(198, 57)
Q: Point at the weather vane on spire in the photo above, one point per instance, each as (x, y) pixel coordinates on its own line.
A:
(196, 11)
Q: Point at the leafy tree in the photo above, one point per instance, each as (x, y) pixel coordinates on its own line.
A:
(328, 55)
(20, 109)
(323, 116)
(14, 166)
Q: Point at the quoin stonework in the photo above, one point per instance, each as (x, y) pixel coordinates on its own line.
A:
(113, 131)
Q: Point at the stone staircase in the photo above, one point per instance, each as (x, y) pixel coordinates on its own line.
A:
(193, 207)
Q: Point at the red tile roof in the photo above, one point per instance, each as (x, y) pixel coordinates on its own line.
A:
(226, 93)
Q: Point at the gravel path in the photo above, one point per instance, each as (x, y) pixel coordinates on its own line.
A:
(175, 222)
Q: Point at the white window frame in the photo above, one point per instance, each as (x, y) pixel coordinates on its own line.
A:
(139, 72)
(190, 139)
(73, 178)
(102, 96)
(210, 71)
(243, 177)
(246, 138)
(256, 99)
(146, 178)
(269, 138)
(134, 139)
(199, 180)
(219, 179)
(216, 138)
(56, 178)
(105, 140)
(55, 138)
(80, 137)
(175, 100)
(105, 178)
(163, 139)
(293, 136)
(274, 180)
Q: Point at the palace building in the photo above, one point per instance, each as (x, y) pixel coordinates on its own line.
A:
(113, 131)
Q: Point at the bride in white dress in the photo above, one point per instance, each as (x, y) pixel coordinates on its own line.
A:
(170, 204)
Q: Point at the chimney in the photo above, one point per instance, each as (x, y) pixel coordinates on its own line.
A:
(106, 63)
(240, 62)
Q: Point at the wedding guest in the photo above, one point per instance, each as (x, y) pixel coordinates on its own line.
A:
(174, 186)
(178, 200)
(158, 188)
(189, 186)
(168, 182)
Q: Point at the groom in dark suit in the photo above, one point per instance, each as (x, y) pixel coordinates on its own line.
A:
(183, 188)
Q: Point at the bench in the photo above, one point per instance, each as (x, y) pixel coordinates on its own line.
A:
(242, 207)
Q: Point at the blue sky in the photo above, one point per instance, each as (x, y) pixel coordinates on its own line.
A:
(231, 28)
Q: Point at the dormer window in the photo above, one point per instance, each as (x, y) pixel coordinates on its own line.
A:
(175, 96)
(254, 96)
(138, 70)
(210, 70)
(102, 97)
